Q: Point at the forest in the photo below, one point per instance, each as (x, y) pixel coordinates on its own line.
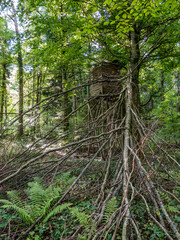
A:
(89, 119)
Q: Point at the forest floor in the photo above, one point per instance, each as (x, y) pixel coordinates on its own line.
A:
(75, 221)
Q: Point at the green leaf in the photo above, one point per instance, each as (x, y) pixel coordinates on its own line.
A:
(57, 210)
(106, 23)
(113, 22)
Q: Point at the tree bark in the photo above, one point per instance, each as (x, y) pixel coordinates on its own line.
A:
(3, 94)
(132, 102)
(127, 134)
(134, 60)
(67, 103)
(3, 99)
(162, 84)
(20, 73)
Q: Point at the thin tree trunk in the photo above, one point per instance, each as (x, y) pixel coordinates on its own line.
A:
(2, 103)
(177, 87)
(20, 72)
(38, 98)
(134, 60)
(33, 99)
(67, 104)
(74, 99)
(126, 154)
(132, 101)
(162, 84)
(3, 95)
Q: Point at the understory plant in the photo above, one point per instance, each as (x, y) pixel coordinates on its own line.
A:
(39, 200)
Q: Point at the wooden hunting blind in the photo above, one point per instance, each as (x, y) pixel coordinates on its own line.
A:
(107, 76)
(105, 90)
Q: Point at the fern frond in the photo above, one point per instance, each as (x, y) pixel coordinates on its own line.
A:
(111, 207)
(36, 180)
(47, 206)
(5, 201)
(37, 198)
(57, 191)
(36, 192)
(82, 217)
(40, 200)
(15, 198)
(64, 179)
(25, 216)
(57, 210)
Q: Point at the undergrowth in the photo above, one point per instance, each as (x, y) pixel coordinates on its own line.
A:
(24, 208)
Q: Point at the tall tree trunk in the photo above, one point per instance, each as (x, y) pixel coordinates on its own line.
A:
(127, 135)
(74, 99)
(162, 84)
(38, 99)
(134, 37)
(2, 103)
(67, 104)
(177, 87)
(132, 102)
(33, 100)
(3, 95)
(20, 73)
(134, 60)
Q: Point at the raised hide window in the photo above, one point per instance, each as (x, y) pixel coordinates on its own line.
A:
(107, 76)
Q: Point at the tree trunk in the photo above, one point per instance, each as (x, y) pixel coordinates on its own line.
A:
(67, 104)
(38, 99)
(74, 99)
(3, 95)
(177, 87)
(132, 102)
(3, 91)
(127, 134)
(162, 84)
(33, 100)
(134, 60)
(20, 73)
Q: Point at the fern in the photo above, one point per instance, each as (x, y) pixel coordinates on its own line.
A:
(54, 194)
(15, 198)
(64, 180)
(110, 208)
(25, 216)
(82, 217)
(57, 210)
(39, 202)
(7, 202)
(173, 209)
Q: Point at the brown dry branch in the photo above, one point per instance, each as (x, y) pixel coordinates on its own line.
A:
(120, 144)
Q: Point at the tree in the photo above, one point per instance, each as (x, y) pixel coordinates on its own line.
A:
(20, 71)
(5, 36)
(135, 33)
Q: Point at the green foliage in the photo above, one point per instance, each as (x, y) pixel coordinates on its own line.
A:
(66, 223)
(148, 229)
(62, 39)
(57, 210)
(64, 179)
(82, 217)
(172, 207)
(110, 208)
(22, 212)
(40, 200)
(5, 218)
(152, 231)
